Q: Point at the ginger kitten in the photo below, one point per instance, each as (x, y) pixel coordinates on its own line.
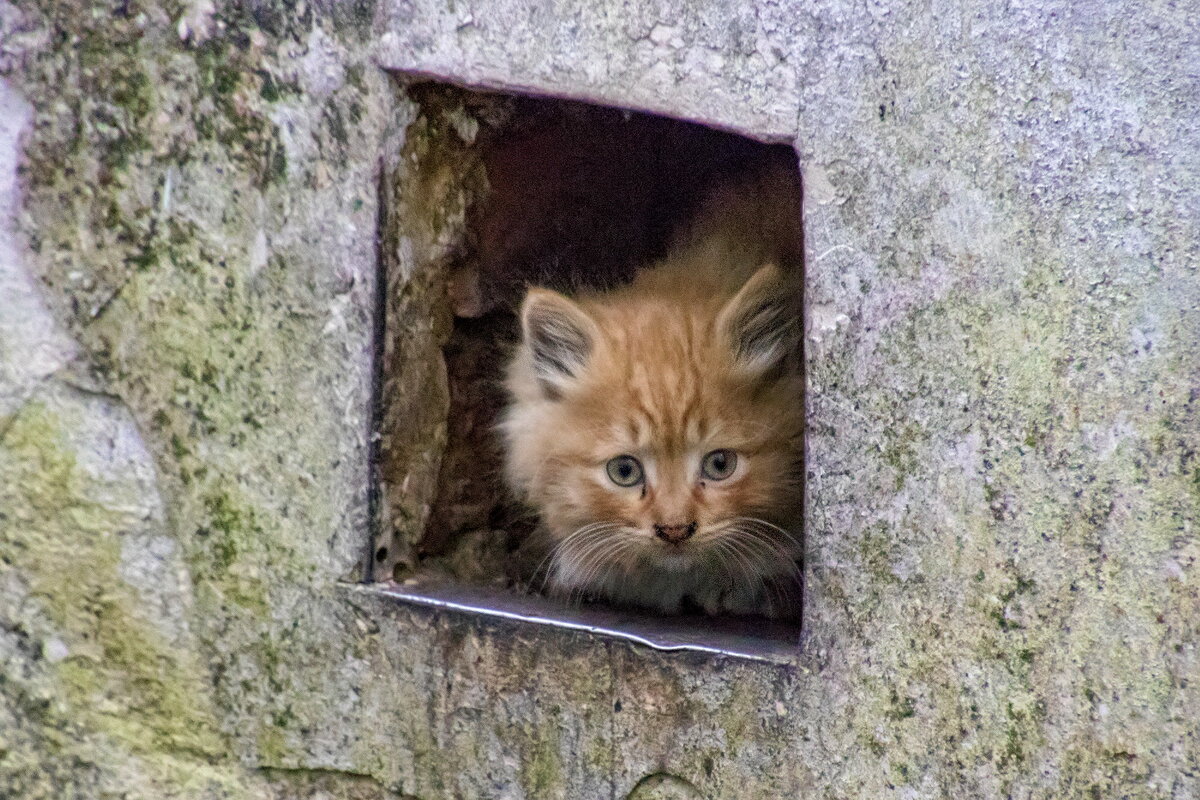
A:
(657, 429)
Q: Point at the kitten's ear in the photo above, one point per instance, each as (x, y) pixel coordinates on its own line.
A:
(560, 336)
(760, 322)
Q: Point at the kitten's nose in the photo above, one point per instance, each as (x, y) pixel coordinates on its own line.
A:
(675, 533)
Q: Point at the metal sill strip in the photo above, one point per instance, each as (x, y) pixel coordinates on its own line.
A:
(749, 638)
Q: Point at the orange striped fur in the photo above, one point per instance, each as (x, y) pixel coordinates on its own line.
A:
(699, 354)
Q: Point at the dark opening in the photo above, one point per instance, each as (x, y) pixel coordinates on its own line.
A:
(495, 193)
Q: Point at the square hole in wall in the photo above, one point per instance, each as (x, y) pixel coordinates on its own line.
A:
(492, 194)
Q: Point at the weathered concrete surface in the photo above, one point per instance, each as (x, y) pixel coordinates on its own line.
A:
(33, 347)
(729, 64)
(1004, 318)
(1003, 288)
(531, 713)
(196, 209)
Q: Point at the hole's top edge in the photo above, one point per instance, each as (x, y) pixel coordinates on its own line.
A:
(764, 136)
(769, 642)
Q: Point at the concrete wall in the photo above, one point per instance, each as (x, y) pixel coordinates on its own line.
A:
(1004, 364)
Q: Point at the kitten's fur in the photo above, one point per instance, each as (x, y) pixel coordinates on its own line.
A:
(700, 353)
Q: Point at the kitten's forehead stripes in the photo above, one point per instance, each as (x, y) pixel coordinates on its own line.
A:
(665, 391)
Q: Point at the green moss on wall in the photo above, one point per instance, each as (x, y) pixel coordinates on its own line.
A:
(122, 692)
(210, 243)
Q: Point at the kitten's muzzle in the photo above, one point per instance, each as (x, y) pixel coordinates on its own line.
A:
(675, 533)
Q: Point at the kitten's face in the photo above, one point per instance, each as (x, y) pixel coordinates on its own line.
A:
(660, 433)
(670, 479)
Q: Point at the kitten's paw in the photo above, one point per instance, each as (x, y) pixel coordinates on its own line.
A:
(741, 602)
(711, 604)
(783, 601)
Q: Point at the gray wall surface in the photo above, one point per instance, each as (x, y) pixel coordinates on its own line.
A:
(1003, 317)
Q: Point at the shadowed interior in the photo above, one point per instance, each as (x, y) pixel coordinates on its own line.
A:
(574, 196)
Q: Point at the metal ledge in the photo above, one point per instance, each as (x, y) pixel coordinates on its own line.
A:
(749, 638)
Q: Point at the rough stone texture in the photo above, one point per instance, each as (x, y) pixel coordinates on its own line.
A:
(1005, 415)
(33, 347)
(197, 203)
(729, 64)
(501, 710)
(429, 188)
(1004, 356)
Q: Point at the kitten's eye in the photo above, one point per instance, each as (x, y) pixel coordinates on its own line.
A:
(718, 465)
(625, 471)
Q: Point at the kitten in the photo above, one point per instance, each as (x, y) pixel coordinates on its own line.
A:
(657, 429)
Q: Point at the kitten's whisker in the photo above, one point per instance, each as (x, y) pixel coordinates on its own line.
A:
(743, 560)
(760, 538)
(579, 537)
(555, 550)
(604, 563)
(610, 557)
(766, 554)
(572, 571)
(771, 553)
(775, 593)
(627, 541)
(731, 558)
(588, 567)
(774, 556)
(765, 536)
(759, 522)
(788, 545)
(589, 554)
(596, 538)
(630, 544)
